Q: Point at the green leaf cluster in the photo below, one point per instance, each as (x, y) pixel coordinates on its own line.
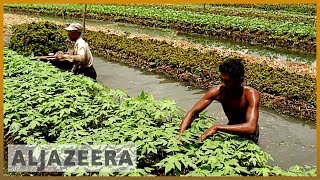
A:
(45, 105)
(267, 32)
(38, 39)
(201, 69)
(220, 9)
(293, 8)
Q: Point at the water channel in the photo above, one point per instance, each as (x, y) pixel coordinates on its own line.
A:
(288, 140)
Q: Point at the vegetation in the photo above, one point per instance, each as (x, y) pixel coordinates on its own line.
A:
(220, 9)
(45, 105)
(38, 39)
(286, 92)
(266, 32)
(296, 8)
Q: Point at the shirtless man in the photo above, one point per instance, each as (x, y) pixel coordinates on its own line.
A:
(240, 104)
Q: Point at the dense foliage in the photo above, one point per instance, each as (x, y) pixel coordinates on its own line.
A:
(288, 93)
(256, 12)
(296, 8)
(266, 32)
(38, 39)
(45, 105)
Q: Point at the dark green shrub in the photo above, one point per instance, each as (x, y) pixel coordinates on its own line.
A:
(38, 39)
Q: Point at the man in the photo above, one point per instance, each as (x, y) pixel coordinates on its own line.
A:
(81, 57)
(240, 104)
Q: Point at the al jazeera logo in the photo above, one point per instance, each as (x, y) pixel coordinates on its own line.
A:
(60, 158)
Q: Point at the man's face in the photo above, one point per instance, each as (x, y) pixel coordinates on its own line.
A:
(229, 82)
(73, 35)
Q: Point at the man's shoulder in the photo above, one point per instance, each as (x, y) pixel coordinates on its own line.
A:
(251, 92)
(215, 88)
(81, 42)
(215, 91)
(250, 89)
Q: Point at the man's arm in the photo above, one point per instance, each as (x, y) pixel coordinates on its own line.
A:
(252, 116)
(203, 103)
(77, 58)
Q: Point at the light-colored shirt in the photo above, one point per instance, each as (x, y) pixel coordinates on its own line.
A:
(82, 55)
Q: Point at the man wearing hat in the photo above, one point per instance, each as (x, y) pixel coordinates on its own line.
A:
(81, 57)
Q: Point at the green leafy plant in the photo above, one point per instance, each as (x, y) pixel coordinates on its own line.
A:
(44, 105)
(296, 36)
(38, 39)
(201, 70)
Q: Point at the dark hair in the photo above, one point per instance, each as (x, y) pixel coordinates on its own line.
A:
(233, 67)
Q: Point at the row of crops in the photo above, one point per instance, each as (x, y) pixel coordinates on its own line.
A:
(291, 34)
(43, 104)
(286, 92)
(295, 8)
(303, 15)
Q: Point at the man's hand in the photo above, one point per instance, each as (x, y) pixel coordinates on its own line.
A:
(59, 52)
(59, 55)
(207, 133)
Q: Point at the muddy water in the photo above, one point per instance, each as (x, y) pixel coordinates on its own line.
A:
(247, 48)
(289, 141)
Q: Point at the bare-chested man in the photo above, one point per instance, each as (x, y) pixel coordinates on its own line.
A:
(240, 104)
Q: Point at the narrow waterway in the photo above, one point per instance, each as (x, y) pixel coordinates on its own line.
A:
(288, 140)
(206, 41)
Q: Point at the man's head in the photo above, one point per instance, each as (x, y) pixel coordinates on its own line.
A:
(232, 72)
(74, 31)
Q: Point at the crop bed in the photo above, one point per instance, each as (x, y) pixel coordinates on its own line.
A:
(293, 67)
(266, 32)
(286, 92)
(295, 8)
(59, 107)
(271, 14)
